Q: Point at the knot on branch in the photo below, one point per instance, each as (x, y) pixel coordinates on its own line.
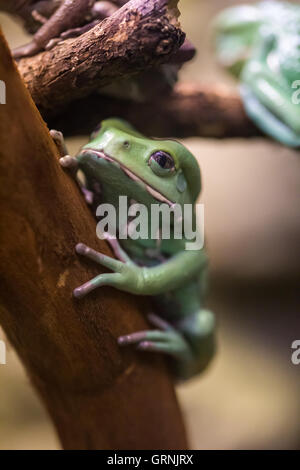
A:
(156, 37)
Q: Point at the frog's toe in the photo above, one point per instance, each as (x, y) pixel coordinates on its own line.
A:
(99, 258)
(137, 337)
(98, 281)
(68, 162)
(152, 347)
(81, 248)
(132, 338)
(159, 322)
(165, 342)
(79, 292)
(165, 347)
(56, 135)
(84, 289)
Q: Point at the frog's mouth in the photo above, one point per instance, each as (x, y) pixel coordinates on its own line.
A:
(153, 192)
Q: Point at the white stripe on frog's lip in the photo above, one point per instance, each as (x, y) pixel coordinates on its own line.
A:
(158, 196)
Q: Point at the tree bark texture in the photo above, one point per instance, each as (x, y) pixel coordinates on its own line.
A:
(98, 395)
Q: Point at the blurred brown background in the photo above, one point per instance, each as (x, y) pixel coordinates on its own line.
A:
(251, 190)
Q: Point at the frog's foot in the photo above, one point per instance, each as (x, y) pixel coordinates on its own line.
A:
(164, 340)
(125, 276)
(59, 141)
(66, 161)
(72, 164)
(102, 279)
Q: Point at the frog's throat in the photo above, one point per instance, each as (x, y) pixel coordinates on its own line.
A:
(153, 192)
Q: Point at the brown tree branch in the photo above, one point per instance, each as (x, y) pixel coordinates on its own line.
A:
(189, 110)
(97, 395)
(135, 38)
(63, 81)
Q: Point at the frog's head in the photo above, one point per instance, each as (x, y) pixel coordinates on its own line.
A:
(236, 31)
(124, 162)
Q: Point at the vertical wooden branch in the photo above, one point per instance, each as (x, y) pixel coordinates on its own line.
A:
(99, 397)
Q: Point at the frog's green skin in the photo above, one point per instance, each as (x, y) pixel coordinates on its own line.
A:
(117, 160)
(260, 44)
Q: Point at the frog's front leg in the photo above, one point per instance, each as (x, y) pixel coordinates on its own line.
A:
(126, 276)
(134, 279)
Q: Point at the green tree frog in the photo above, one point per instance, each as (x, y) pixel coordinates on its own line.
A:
(260, 44)
(119, 161)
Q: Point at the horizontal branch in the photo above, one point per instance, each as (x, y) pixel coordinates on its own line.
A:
(138, 36)
(189, 110)
(65, 82)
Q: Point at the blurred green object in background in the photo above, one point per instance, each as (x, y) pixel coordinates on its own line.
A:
(260, 44)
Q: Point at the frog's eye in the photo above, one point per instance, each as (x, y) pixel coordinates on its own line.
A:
(162, 163)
